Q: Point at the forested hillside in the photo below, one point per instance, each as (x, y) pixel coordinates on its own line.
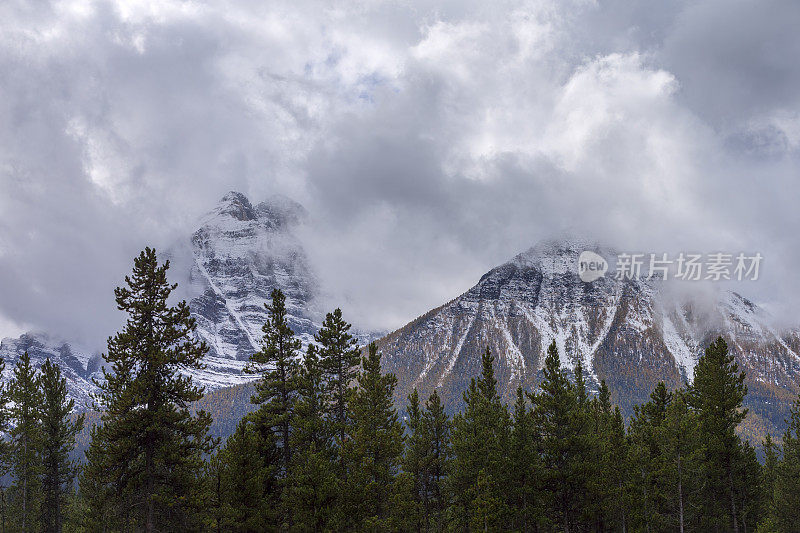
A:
(317, 443)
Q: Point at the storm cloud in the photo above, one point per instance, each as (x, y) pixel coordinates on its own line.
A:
(429, 141)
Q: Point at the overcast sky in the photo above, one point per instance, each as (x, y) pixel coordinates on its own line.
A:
(429, 141)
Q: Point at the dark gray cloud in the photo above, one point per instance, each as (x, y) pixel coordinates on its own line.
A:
(429, 141)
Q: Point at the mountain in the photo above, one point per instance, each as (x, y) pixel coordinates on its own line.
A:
(238, 254)
(631, 333)
(78, 365)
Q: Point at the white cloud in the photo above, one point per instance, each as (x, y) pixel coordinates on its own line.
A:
(430, 140)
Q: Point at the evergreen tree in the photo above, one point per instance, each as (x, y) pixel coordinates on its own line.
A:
(240, 482)
(312, 483)
(560, 420)
(606, 481)
(768, 477)
(26, 445)
(747, 477)
(339, 359)
(425, 463)
(617, 470)
(147, 454)
(374, 448)
(786, 511)
(4, 447)
(479, 438)
(717, 394)
(100, 495)
(416, 511)
(277, 363)
(58, 441)
(585, 452)
(645, 460)
(435, 464)
(523, 474)
(679, 463)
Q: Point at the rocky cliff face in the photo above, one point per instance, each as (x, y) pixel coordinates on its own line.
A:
(78, 365)
(238, 255)
(631, 333)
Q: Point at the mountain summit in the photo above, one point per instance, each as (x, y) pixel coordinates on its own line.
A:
(236, 257)
(240, 254)
(631, 333)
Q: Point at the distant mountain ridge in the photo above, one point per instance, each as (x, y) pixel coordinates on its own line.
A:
(627, 332)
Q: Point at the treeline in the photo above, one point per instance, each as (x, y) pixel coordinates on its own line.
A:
(326, 450)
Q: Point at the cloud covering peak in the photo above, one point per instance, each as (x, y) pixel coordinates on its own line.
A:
(428, 141)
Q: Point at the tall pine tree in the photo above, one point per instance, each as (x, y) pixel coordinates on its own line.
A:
(339, 360)
(4, 447)
(241, 488)
(678, 463)
(561, 420)
(717, 393)
(374, 448)
(768, 478)
(479, 438)
(148, 450)
(26, 445)
(524, 468)
(277, 364)
(786, 511)
(312, 482)
(435, 464)
(416, 451)
(58, 440)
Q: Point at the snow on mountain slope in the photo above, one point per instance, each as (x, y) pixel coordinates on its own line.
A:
(78, 366)
(628, 332)
(238, 255)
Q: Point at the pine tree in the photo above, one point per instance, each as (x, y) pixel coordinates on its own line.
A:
(4, 447)
(523, 474)
(747, 477)
(585, 452)
(277, 364)
(339, 359)
(479, 437)
(99, 495)
(416, 511)
(679, 462)
(241, 488)
(787, 480)
(768, 477)
(646, 461)
(148, 451)
(617, 472)
(58, 441)
(425, 462)
(374, 448)
(26, 444)
(560, 420)
(437, 458)
(312, 483)
(717, 394)
(607, 454)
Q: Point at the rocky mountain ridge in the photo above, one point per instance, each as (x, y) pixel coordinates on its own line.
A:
(632, 333)
(239, 253)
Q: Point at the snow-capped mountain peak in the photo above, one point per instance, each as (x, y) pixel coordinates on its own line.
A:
(631, 333)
